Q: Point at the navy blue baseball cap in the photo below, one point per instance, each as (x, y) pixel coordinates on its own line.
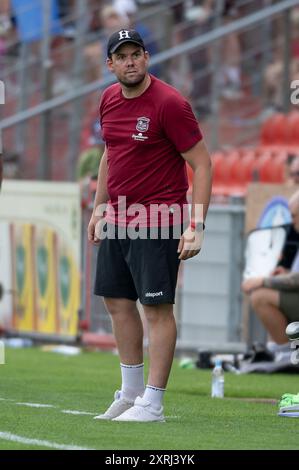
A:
(121, 37)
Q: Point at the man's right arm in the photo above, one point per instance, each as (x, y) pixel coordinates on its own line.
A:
(100, 200)
(101, 196)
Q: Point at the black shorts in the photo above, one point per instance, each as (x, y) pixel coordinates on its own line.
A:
(144, 269)
(288, 304)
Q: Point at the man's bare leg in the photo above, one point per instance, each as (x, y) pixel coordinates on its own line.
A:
(162, 339)
(128, 332)
(265, 303)
(127, 329)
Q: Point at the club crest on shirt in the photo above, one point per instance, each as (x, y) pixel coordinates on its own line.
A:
(142, 124)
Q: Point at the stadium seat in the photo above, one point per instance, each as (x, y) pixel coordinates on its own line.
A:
(220, 173)
(271, 167)
(278, 170)
(245, 171)
(275, 130)
(260, 166)
(293, 129)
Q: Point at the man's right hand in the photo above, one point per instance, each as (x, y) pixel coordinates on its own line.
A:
(252, 284)
(94, 229)
(280, 270)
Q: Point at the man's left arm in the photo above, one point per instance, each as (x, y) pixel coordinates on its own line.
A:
(286, 282)
(199, 159)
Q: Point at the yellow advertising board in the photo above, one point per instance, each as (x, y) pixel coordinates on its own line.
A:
(46, 280)
(45, 237)
(23, 277)
(68, 289)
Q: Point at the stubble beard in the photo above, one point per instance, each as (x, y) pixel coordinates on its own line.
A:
(133, 84)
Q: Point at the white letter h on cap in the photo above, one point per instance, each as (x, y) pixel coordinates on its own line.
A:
(124, 34)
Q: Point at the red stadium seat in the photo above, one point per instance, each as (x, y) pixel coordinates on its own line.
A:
(220, 173)
(278, 170)
(262, 167)
(275, 130)
(272, 167)
(218, 164)
(293, 129)
(242, 173)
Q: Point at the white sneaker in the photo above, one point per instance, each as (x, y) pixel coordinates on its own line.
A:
(116, 408)
(142, 411)
(292, 331)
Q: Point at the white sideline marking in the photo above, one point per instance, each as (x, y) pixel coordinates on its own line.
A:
(7, 436)
(36, 405)
(75, 412)
(43, 405)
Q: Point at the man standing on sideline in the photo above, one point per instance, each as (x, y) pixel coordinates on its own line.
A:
(150, 132)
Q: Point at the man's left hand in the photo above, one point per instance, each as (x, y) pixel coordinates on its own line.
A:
(251, 284)
(190, 243)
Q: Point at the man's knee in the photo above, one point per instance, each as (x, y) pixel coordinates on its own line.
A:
(258, 298)
(263, 297)
(120, 306)
(157, 313)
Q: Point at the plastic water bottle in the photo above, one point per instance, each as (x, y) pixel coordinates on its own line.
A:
(218, 380)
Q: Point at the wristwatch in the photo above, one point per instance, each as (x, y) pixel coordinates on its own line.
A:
(198, 226)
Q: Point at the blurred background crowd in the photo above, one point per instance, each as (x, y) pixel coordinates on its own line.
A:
(52, 55)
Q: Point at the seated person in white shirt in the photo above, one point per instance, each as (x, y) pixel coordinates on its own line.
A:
(275, 299)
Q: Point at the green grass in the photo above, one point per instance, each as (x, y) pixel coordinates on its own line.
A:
(87, 383)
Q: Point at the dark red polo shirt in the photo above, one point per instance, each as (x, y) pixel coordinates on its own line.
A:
(145, 137)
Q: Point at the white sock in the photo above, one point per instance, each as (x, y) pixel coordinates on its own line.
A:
(275, 347)
(132, 381)
(154, 395)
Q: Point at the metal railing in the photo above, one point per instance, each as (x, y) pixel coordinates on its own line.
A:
(203, 80)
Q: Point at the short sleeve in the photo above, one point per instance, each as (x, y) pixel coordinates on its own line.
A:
(179, 123)
(101, 106)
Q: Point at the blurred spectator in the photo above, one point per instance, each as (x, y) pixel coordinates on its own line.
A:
(125, 7)
(65, 8)
(178, 12)
(189, 73)
(5, 7)
(230, 71)
(11, 165)
(92, 133)
(6, 28)
(273, 77)
(29, 14)
(293, 171)
(95, 53)
(129, 10)
(275, 299)
(201, 18)
(88, 163)
(1, 168)
(122, 14)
